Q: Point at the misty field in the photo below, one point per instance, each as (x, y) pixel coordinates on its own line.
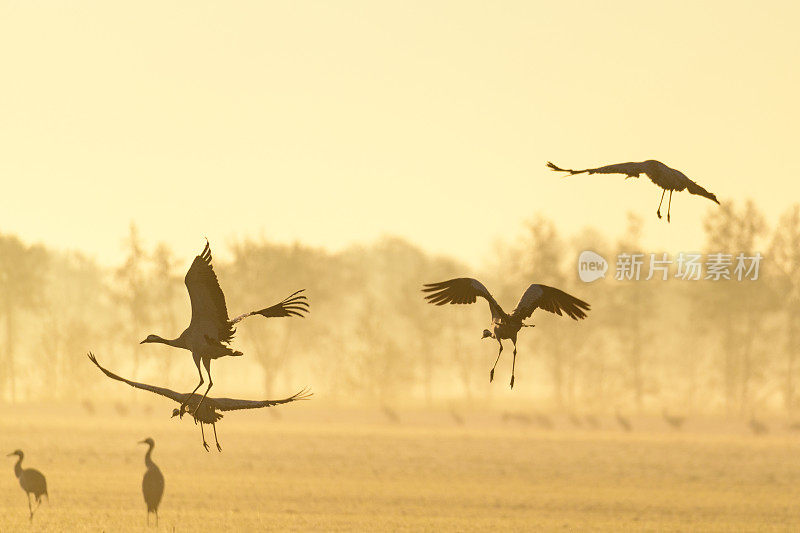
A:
(323, 470)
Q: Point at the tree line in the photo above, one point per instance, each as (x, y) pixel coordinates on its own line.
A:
(708, 345)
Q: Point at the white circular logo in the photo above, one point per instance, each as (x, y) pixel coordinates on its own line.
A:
(591, 266)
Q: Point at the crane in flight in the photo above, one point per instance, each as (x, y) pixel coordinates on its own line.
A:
(504, 325)
(665, 177)
(210, 330)
(208, 412)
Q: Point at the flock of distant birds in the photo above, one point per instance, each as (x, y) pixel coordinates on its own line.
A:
(211, 331)
(676, 422)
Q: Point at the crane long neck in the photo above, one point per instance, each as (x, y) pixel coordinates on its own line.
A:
(176, 342)
(147, 460)
(18, 467)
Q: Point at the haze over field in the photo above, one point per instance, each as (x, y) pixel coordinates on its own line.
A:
(335, 471)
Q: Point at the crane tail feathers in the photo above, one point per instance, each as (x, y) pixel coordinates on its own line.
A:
(295, 304)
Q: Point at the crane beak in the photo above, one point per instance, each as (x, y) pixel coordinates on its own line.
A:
(142, 442)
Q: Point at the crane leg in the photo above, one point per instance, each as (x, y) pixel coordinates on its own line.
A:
(513, 363)
(203, 433)
(219, 448)
(658, 211)
(156, 517)
(669, 204)
(30, 510)
(207, 364)
(491, 372)
(183, 405)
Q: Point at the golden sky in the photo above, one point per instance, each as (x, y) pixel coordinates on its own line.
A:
(337, 122)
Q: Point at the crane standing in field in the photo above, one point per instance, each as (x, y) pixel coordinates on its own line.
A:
(31, 480)
(665, 177)
(675, 421)
(757, 426)
(623, 422)
(210, 330)
(207, 413)
(152, 482)
(504, 325)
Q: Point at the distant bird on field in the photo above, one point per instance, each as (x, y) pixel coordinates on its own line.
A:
(675, 421)
(121, 408)
(757, 426)
(88, 406)
(504, 325)
(522, 418)
(623, 422)
(390, 414)
(456, 416)
(665, 177)
(210, 331)
(152, 482)
(543, 421)
(592, 421)
(31, 480)
(207, 413)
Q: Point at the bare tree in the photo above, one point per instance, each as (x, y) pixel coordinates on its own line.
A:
(538, 255)
(76, 310)
(135, 293)
(737, 309)
(633, 304)
(22, 270)
(166, 295)
(784, 264)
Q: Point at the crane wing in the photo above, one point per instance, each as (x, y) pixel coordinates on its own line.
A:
(461, 291)
(171, 394)
(294, 305)
(208, 302)
(694, 188)
(550, 299)
(629, 169)
(230, 404)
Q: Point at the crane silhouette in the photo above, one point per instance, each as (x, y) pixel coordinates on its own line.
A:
(757, 426)
(208, 412)
(592, 421)
(623, 422)
(31, 480)
(504, 325)
(575, 419)
(543, 421)
(673, 420)
(152, 482)
(665, 177)
(210, 330)
(522, 418)
(456, 416)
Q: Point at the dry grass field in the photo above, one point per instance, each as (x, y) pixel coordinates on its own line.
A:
(317, 469)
